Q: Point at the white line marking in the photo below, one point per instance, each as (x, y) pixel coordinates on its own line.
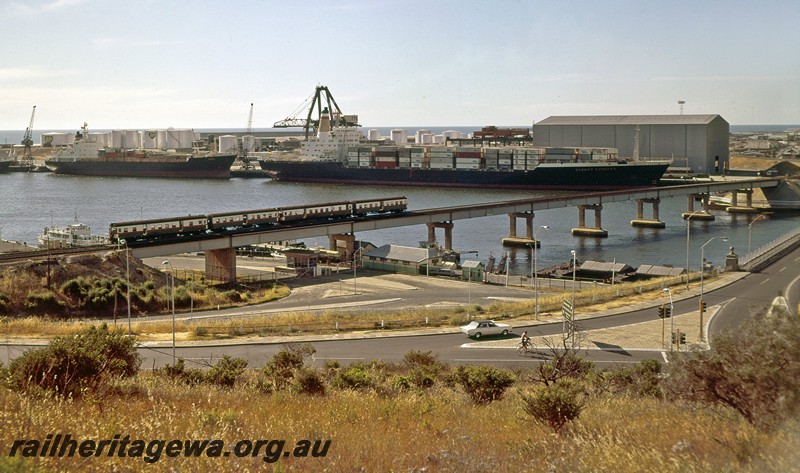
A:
(764, 282)
(664, 355)
(782, 269)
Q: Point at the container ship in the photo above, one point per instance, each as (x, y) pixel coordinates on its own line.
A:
(88, 157)
(337, 157)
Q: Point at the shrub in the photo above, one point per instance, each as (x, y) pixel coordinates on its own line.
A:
(226, 371)
(280, 370)
(71, 364)
(309, 381)
(484, 384)
(44, 302)
(179, 372)
(4, 303)
(556, 404)
(753, 370)
(641, 379)
(232, 295)
(355, 376)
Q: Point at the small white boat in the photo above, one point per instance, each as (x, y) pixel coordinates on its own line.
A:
(76, 234)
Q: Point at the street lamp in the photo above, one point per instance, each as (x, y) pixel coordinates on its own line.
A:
(128, 282)
(702, 272)
(688, 227)
(671, 317)
(536, 272)
(572, 312)
(168, 264)
(749, 236)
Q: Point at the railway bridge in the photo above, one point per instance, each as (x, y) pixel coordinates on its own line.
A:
(220, 249)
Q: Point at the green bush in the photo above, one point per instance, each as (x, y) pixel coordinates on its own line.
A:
(72, 364)
(641, 379)
(355, 376)
(556, 404)
(753, 370)
(226, 371)
(484, 384)
(4, 303)
(45, 302)
(309, 381)
(280, 370)
(179, 372)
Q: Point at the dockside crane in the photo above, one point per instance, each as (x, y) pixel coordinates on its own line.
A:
(27, 139)
(248, 131)
(309, 124)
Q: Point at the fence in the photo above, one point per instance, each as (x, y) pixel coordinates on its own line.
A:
(762, 257)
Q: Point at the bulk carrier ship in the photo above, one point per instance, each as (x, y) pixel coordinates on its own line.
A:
(338, 156)
(86, 157)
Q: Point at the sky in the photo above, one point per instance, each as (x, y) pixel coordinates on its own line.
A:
(200, 64)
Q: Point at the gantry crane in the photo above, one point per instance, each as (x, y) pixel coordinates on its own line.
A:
(312, 124)
(27, 139)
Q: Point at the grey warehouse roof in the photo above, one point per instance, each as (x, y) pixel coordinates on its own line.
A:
(652, 270)
(629, 120)
(403, 253)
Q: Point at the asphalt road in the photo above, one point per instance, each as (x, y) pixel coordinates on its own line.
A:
(740, 301)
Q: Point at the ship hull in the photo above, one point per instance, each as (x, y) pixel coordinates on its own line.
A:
(214, 167)
(573, 176)
(5, 166)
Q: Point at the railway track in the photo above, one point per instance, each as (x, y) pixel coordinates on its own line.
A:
(46, 254)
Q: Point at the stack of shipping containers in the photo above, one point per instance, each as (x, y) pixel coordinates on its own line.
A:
(440, 157)
(386, 156)
(468, 157)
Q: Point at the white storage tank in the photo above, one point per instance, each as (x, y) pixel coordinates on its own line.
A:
(419, 134)
(374, 134)
(228, 144)
(128, 139)
(57, 139)
(179, 138)
(149, 139)
(103, 140)
(248, 143)
(399, 136)
(438, 139)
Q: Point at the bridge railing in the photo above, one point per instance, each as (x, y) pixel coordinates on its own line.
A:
(763, 256)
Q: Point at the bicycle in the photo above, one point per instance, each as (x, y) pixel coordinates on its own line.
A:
(524, 348)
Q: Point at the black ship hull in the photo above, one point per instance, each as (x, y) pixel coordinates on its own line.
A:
(571, 176)
(213, 167)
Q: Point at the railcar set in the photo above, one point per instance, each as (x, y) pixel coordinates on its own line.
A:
(241, 220)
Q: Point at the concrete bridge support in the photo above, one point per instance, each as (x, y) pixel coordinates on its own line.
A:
(582, 229)
(448, 233)
(346, 250)
(640, 221)
(736, 208)
(703, 214)
(513, 239)
(221, 265)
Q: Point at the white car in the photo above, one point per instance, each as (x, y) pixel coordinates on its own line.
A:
(480, 328)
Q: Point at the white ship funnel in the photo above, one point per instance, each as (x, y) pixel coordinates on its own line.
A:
(325, 121)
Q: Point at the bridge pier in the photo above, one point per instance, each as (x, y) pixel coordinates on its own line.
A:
(346, 250)
(448, 233)
(513, 239)
(582, 229)
(640, 221)
(736, 208)
(221, 265)
(703, 214)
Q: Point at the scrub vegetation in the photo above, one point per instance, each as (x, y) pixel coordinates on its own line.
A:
(731, 408)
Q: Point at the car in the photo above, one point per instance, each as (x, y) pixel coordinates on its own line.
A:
(481, 328)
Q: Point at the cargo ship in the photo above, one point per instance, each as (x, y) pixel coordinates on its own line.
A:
(337, 157)
(86, 157)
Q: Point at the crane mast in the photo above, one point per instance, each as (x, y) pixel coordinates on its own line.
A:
(27, 139)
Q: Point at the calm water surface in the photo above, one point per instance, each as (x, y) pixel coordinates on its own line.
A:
(31, 202)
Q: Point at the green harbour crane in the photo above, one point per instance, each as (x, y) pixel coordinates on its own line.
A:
(27, 139)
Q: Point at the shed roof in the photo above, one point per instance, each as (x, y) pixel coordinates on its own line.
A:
(403, 253)
(651, 270)
(628, 120)
(472, 264)
(603, 267)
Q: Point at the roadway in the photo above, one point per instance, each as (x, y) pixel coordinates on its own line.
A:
(734, 304)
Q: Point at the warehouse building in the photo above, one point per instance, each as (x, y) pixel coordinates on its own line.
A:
(699, 142)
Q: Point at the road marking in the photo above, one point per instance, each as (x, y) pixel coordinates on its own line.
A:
(664, 355)
(797, 259)
(782, 269)
(764, 282)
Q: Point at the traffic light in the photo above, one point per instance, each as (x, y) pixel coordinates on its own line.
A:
(667, 312)
(702, 306)
(661, 312)
(683, 338)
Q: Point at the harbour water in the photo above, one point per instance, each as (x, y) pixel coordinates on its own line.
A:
(32, 201)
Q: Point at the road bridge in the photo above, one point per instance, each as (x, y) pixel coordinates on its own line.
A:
(220, 249)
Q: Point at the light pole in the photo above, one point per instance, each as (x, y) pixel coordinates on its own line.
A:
(128, 282)
(702, 272)
(671, 316)
(572, 312)
(749, 236)
(688, 227)
(536, 272)
(168, 264)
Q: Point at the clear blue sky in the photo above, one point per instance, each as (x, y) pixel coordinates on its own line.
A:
(196, 64)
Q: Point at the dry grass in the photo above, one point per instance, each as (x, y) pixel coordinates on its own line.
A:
(439, 430)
